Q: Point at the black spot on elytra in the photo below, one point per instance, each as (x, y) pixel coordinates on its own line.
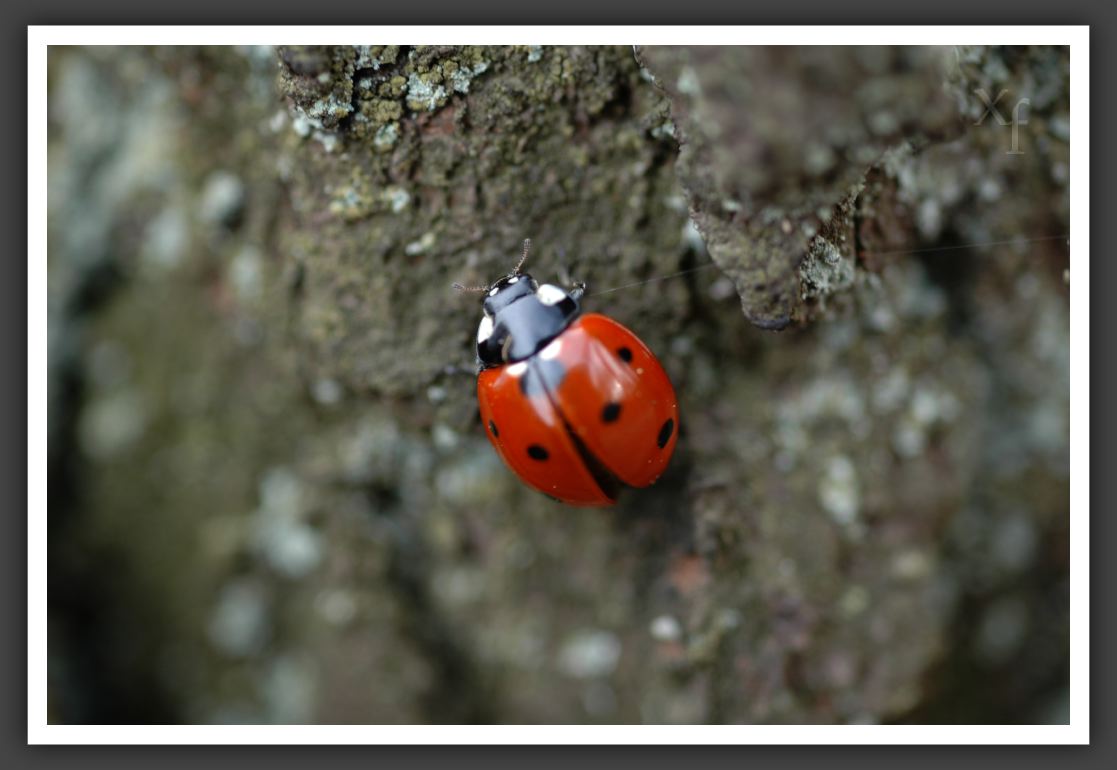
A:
(542, 375)
(492, 427)
(665, 433)
(625, 354)
(536, 452)
(611, 412)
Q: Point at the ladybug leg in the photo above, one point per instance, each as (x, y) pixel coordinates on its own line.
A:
(577, 288)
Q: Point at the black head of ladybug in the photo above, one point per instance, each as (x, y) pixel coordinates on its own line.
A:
(507, 290)
(521, 316)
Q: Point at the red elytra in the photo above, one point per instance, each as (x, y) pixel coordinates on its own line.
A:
(591, 408)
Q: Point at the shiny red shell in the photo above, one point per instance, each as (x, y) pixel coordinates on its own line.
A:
(610, 412)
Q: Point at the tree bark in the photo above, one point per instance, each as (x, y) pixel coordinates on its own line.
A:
(271, 499)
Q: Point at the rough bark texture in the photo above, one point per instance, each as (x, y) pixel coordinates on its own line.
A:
(270, 498)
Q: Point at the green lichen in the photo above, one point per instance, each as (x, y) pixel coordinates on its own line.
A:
(386, 137)
(825, 270)
(384, 111)
(425, 93)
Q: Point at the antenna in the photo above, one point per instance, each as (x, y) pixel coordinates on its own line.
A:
(523, 257)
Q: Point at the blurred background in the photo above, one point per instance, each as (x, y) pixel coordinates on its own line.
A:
(270, 498)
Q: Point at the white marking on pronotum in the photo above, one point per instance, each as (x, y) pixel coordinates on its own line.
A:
(549, 294)
(493, 291)
(484, 330)
(517, 369)
(552, 350)
(513, 279)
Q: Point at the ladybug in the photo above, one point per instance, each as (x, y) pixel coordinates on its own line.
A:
(576, 405)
